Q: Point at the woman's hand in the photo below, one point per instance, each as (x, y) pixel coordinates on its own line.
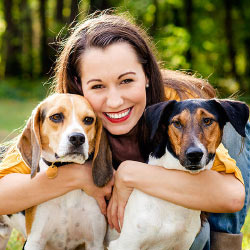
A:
(120, 196)
(96, 192)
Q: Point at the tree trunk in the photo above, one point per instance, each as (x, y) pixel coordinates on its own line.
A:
(229, 37)
(98, 5)
(11, 46)
(155, 24)
(59, 11)
(45, 63)
(74, 10)
(27, 57)
(189, 26)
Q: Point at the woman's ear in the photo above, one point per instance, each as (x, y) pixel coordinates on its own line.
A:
(29, 143)
(102, 168)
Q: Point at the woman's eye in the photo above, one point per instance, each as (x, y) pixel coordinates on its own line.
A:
(207, 121)
(98, 86)
(126, 81)
(88, 120)
(56, 117)
(177, 124)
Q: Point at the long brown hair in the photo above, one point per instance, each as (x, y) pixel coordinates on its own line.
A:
(103, 30)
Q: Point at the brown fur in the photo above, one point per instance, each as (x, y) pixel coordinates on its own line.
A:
(192, 123)
(29, 218)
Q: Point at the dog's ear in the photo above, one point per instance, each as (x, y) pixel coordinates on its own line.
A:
(154, 113)
(29, 143)
(102, 168)
(235, 112)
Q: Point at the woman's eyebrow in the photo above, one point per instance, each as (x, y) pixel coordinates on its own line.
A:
(131, 72)
(94, 80)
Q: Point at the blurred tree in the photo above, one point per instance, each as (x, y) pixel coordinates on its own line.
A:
(26, 40)
(74, 10)
(99, 5)
(45, 62)
(189, 26)
(229, 37)
(59, 11)
(11, 47)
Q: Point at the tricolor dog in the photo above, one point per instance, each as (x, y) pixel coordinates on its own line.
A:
(185, 136)
(64, 129)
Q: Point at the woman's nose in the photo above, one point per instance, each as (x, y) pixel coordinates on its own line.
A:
(114, 98)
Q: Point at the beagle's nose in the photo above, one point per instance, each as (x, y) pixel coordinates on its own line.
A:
(77, 139)
(194, 154)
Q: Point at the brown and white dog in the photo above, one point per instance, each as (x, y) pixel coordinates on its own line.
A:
(64, 129)
(184, 136)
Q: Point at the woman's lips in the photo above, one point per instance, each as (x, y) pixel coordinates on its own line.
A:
(116, 117)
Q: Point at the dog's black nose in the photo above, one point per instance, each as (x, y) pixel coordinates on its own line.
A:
(77, 139)
(194, 154)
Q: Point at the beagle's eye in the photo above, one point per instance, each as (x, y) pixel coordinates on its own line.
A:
(177, 124)
(207, 121)
(88, 120)
(56, 117)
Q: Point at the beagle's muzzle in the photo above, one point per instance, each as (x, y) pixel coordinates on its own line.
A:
(184, 136)
(64, 129)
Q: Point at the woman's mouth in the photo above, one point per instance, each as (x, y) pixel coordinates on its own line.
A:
(116, 117)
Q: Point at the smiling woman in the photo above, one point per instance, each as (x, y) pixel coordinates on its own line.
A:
(116, 91)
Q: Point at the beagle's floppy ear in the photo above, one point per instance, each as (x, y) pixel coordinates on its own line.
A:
(235, 112)
(102, 168)
(154, 113)
(29, 143)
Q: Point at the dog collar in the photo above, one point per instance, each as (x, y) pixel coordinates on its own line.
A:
(55, 164)
(51, 172)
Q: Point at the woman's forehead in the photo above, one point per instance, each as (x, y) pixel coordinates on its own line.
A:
(117, 58)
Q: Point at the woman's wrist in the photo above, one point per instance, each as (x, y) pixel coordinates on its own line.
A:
(129, 172)
(81, 176)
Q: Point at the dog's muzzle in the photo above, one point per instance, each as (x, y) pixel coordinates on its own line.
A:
(76, 139)
(193, 159)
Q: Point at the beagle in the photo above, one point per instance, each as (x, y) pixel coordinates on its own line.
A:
(184, 136)
(64, 129)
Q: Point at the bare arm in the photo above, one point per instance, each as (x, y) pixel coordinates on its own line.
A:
(19, 191)
(207, 191)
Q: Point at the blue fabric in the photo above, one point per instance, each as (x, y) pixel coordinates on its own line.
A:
(202, 240)
(233, 222)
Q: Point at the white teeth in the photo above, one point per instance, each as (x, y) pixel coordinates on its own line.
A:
(118, 116)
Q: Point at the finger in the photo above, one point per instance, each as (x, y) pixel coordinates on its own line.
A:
(102, 204)
(109, 213)
(121, 210)
(114, 217)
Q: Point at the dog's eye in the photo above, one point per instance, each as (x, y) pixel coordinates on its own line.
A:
(207, 121)
(177, 124)
(88, 120)
(56, 117)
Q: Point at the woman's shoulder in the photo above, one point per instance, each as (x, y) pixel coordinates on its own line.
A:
(180, 86)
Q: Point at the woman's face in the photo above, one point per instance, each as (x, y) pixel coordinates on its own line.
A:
(113, 81)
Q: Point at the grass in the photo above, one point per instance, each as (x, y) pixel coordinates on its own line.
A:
(12, 116)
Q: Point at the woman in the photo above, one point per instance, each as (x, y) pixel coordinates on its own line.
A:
(108, 60)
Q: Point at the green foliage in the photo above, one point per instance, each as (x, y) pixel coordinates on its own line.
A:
(208, 37)
(16, 241)
(22, 89)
